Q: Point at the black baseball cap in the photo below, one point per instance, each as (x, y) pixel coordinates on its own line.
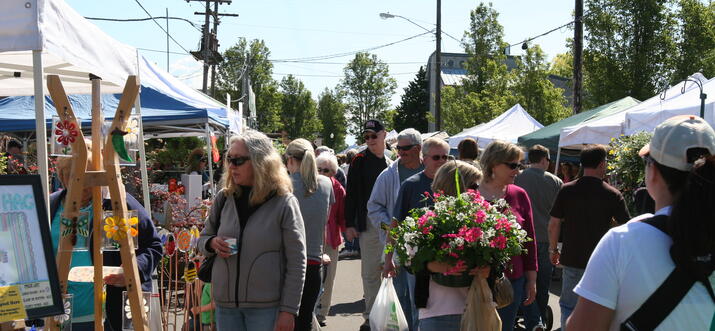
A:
(372, 126)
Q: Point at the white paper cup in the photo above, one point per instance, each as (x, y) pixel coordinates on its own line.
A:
(232, 244)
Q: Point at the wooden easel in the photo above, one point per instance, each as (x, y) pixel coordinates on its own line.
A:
(97, 177)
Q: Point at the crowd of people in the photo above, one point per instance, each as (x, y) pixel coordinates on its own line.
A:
(278, 224)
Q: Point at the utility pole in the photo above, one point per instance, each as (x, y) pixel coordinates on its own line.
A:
(213, 67)
(209, 43)
(438, 70)
(578, 58)
(167, 39)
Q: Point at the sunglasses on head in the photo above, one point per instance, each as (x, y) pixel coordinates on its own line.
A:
(441, 157)
(512, 165)
(405, 148)
(238, 161)
(323, 170)
(369, 136)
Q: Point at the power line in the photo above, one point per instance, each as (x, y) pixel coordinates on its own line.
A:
(335, 76)
(332, 56)
(160, 51)
(160, 27)
(142, 19)
(547, 32)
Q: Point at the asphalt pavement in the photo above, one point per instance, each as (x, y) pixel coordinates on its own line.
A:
(347, 302)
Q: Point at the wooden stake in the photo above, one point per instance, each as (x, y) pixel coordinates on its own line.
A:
(97, 199)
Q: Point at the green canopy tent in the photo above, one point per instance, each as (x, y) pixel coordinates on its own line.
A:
(548, 136)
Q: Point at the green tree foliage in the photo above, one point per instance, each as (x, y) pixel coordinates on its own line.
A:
(562, 65)
(331, 112)
(414, 106)
(298, 110)
(367, 87)
(533, 90)
(695, 39)
(629, 47)
(252, 58)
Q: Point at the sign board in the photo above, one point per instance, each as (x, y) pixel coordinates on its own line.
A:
(29, 286)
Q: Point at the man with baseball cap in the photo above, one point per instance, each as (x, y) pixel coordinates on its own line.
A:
(364, 170)
(633, 261)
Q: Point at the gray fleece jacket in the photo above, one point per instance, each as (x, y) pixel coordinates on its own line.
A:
(272, 255)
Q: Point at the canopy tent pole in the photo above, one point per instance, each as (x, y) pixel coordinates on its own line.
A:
(558, 156)
(140, 143)
(210, 159)
(40, 125)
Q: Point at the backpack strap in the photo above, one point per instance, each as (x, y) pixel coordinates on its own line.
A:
(665, 298)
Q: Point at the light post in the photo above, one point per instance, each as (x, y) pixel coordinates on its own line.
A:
(437, 61)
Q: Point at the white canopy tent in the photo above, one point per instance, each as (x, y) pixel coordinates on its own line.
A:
(508, 126)
(685, 104)
(48, 36)
(601, 130)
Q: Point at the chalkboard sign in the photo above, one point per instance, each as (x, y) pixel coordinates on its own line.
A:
(29, 286)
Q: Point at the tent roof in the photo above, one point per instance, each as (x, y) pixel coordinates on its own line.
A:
(508, 126)
(71, 47)
(685, 104)
(601, 130)
(548, 136)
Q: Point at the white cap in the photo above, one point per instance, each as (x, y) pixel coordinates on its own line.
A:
(675, 136)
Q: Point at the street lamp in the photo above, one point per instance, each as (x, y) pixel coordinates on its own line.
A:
(437, 60)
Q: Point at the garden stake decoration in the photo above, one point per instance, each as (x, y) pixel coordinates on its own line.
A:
(109, 176)
(119, 145)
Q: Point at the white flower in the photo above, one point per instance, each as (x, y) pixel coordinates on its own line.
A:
(128, 308)
(459, 241)
(409, 221)
(66, 316)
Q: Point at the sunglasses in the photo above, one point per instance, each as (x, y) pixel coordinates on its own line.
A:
(474, 186)
(323, 170)
(405, 148)
(441, 157)
(512, 165)
(238, 161)
(369, 136)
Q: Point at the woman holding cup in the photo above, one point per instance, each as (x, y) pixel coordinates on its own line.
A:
(257, 285)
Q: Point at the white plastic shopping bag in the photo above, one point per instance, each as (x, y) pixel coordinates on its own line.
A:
(386, 313)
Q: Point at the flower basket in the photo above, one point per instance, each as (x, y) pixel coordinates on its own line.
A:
(463, 230)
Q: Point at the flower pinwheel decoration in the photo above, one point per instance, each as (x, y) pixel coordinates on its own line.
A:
(66, 132)
(117, 229)
(128, 308)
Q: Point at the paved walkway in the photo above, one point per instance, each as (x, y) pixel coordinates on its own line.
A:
(347, 306)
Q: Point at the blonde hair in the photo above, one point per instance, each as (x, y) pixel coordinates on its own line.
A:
(269, 174)
(444, 179)
(302, 151)
(64, 164)
(498, 152)
(431, 143)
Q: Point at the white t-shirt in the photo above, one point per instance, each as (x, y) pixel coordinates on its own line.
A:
(629, 263)
(444, 300)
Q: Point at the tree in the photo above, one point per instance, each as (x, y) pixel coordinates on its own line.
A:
(533, 90)
(695, 39)
(629, 49)
(298, 111)
(414, 106)
(367, 87)
(331, 112)
(253, 59)
(562, 65)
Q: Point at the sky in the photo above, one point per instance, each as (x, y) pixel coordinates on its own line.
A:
(299, 29)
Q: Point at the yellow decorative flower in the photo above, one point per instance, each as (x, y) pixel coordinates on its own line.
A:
(132, 226)
(115, 229)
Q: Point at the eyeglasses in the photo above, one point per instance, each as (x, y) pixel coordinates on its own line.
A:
(474, 186)
(405, 148)
(323, 170)
(512, 165)
(441, 157)
(238, 161)
(369, 136)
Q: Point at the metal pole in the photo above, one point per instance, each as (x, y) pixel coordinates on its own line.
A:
(167, 39)
(40, 125)
(578, 58)
(438, 70)
(210, 159)
(703, 96)
(206, 47)
(142, 152)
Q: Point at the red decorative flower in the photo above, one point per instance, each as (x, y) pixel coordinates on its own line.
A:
(66, 132)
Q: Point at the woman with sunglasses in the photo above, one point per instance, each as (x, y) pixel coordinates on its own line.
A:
(500, 163)
(197, 164)
(315, 195)
(258, 279)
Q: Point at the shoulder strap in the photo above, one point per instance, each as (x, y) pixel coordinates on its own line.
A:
(220, 202)
(665, 298)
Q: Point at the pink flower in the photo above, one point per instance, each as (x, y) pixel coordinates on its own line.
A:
(498, 242)
(444, 245)
(503, 224)
(473, 234)
(426, 230)
(481, 216)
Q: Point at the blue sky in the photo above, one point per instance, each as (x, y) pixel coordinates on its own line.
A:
(297, 29)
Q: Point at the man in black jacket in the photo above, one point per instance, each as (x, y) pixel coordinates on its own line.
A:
(366, 166)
